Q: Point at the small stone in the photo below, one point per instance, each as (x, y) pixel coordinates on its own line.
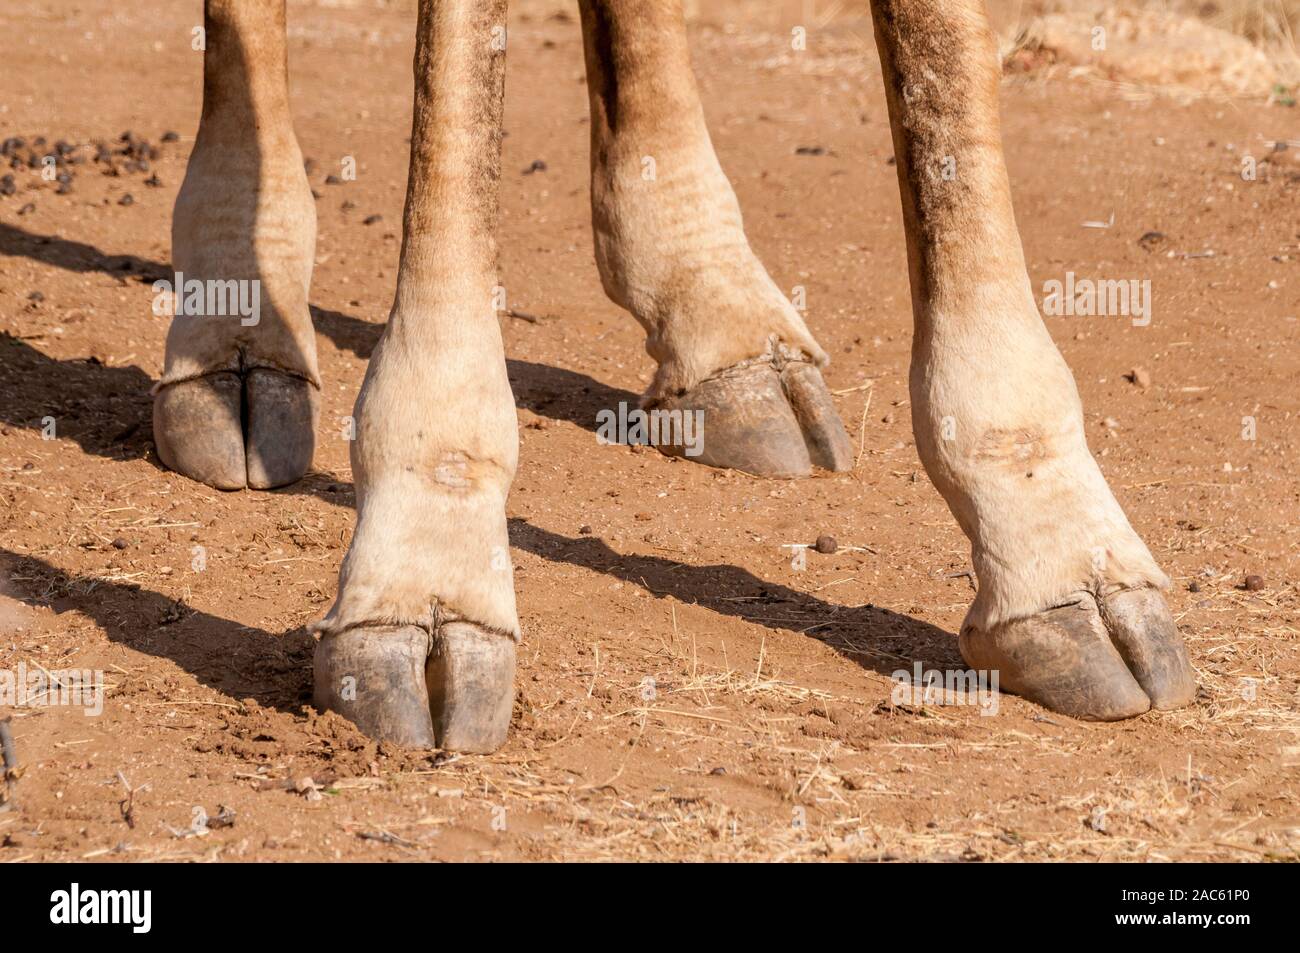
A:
(372, 219)
(584, 530)
(718, 772)
(810, 151)
(537, 165)
(826, 545)
(120, 543)
(127, 199)
(1150, 240)
(1254, 583)
(1139, 376)
(170, 136)
(333, 180)
(1193, 586)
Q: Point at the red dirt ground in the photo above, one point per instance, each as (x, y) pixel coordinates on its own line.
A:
(770, 732)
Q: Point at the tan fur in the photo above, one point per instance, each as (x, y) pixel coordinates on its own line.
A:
(672, 249)
(997, 417)
(245, 209)
(436, 445)
(1016, 472)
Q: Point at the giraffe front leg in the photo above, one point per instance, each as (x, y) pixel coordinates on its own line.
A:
(419, 647)
(671, 249)
(1068, 611)
(237, 402)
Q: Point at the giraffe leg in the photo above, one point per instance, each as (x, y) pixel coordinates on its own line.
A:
(1068, 609)
(671, 249)
(237, 402)
(419, 647)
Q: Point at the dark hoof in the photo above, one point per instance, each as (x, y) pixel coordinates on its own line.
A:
(198, 430)
(231, 431)
(281, 414)
(374, 677)
(1062, 659)
(763, 421)
(1098, 663)
(1147, 638)
(454, 691)
(823, 432)
(471, 678)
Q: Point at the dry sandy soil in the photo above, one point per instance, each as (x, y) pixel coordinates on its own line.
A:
(770, 732)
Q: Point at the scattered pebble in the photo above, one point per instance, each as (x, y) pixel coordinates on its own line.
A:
(1139, 376)
(537, 165)
(810, 151)
(127, 199)
(1150, 240)
(120, 543)
(584, 530)
(1193, 586)
(826, 545)
(1253, 583)
(372, 219)
(307, 788)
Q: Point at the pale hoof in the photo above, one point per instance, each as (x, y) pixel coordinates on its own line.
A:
(766, 422)
(1097, 663)
(230, 430)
